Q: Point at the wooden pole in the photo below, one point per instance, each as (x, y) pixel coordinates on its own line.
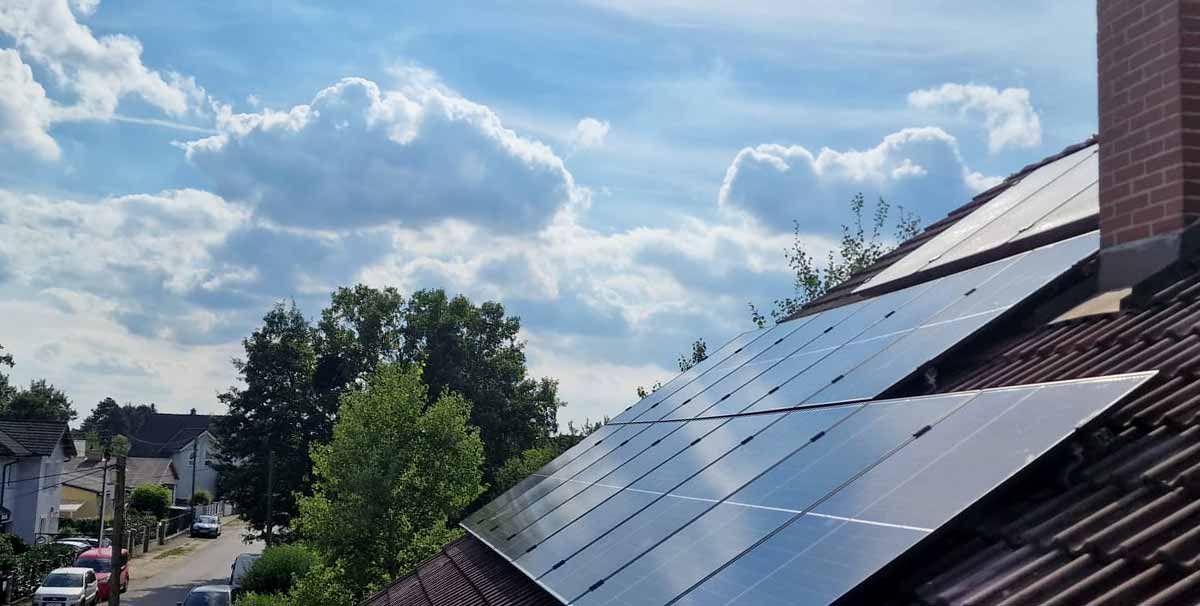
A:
(118, 544)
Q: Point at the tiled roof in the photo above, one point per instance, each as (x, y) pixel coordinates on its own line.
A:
(25, 438)
(138, 471)
(465, 573)
(163, 434)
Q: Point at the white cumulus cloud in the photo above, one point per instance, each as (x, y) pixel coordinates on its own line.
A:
(919, 168)
(1009, 117)
(94, 74)
(360, 156)
(25, 112)
(589, 132)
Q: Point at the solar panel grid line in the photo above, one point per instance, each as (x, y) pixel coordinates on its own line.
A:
(996, 268)
(795, 514)
(509, 495)
(1049, 213)
(510, 513)
(1126, 384)
(668, 492)
(809, 509)
(762, 507)
(920, 290)
(791, 328)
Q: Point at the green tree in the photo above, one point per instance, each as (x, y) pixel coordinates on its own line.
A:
(151, 499)
(278, 568)
(201, 498)
(276, 413)
(520, 467)
(861, 246)
(7, 391)
(398, 469)
(475, 350)
(41, 401)
(109, 419)
(698, 354)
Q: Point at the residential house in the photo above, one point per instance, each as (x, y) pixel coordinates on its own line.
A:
(179, 438)
(32, 458)
(1105, 511)
(84, 478)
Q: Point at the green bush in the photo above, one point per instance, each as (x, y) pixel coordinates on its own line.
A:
(201, 498)
(86, 527)
(278, 568)
(151, 499)
(262, 599)
(17, 544)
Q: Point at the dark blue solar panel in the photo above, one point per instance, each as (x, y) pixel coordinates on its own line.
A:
(837, 540)
(866, 436)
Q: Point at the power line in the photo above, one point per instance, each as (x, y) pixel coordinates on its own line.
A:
(29, 492)
(55, 475)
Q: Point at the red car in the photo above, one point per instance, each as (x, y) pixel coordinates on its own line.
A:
(100, 560)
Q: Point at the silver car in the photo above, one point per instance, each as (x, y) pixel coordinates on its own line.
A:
(68, 587)
(208, 595)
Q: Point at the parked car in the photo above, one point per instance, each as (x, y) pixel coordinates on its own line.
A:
(76, 544)
(100, 562)
(206, 526)
(208, 595)
(239, 568)
(68, 587)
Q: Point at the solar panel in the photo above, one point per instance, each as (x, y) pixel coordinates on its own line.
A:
(849, 353)
(814, 527)
(1059, 189)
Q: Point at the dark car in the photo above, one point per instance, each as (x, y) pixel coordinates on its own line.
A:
(208, 595)
(239, 568)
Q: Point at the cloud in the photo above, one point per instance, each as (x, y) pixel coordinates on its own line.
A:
(358, 156)
(589, 133)
(93, 74)
(919, 168)
(1009, 117)
(134, 258)
(25, 112)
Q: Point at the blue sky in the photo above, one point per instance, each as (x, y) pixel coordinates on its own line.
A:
(622, 174)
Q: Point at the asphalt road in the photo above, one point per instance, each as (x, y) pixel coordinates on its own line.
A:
(208, 564)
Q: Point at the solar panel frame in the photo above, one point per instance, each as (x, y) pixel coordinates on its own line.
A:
(940, 249)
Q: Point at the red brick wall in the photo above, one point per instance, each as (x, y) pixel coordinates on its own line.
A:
(1149, 62)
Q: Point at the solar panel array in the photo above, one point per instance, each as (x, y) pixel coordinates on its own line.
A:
(1056, 194)
(710, 449)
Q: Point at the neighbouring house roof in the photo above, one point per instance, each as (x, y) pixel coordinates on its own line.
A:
(163, 434)
(19, 438)
(465, 573)
(1124, 522)
(87, 474)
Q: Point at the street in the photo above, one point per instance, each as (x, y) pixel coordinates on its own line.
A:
(163, 578)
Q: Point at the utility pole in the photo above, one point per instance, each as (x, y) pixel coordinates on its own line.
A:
(103, 497)
(118, 542)
(270, 491)
(192, 499)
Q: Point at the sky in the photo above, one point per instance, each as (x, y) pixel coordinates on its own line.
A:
(622, 174)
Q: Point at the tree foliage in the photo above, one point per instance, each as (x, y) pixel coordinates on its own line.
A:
(698, 354)
(398, 469)
(201, 497)
(41, 401)
(151, 499)
(7, 391)
(861, 245)
(278, 569)
(474, 350)
(520, 467)
(109, 419)
(277, 411)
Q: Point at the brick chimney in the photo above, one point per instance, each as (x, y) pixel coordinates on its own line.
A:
(1149, 62)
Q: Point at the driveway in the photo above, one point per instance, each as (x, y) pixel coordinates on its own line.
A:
(164, 577)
